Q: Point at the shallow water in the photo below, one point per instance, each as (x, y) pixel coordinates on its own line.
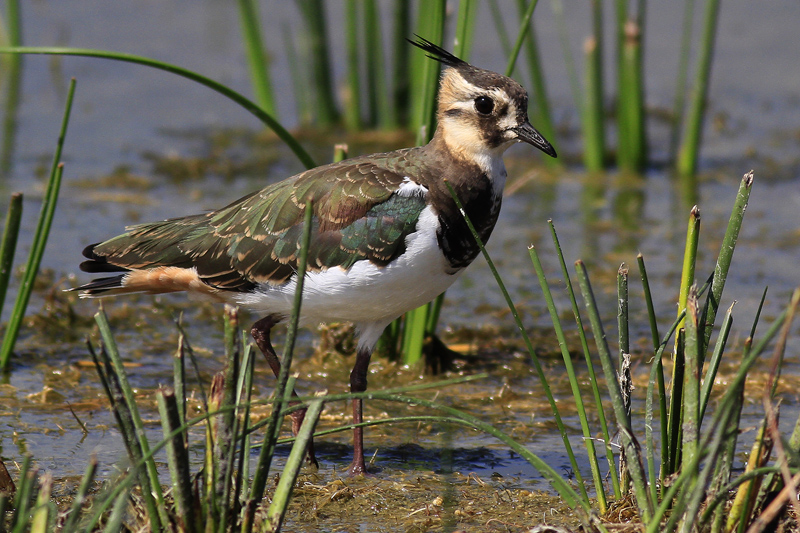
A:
(131, 123)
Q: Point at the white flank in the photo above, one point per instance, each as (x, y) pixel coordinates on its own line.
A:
(368, 295)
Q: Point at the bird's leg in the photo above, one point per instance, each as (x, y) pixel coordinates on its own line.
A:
(260, 332)
(358, 383)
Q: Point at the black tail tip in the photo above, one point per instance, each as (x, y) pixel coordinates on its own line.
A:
(100, 285)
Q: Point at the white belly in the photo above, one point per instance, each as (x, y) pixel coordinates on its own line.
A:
(366, 294)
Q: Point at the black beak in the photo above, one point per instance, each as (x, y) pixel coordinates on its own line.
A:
(528, 134)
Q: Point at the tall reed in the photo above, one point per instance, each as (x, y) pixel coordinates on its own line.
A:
(256, 57)
(688, 154)
(313, 12)
(39, 241)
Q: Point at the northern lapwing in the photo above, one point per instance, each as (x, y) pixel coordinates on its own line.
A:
(386, 237)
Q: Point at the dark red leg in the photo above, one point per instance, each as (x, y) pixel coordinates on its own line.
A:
(358, 383)
(260, 332)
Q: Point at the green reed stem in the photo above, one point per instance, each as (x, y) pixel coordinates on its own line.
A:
(690, 148)
(689, 257)
(500, 27)
(9, 244)
(624, 362)
(400, 65)
(657, 379)
(300, 82)
(624, 335)
(716, 359)
(228, 423)
(313, 13)
(679, 102)
(434, 310)
(259, 483)
(430, 25)
(179, 376)
(71, 522)
(14, 79)
(648, 297)
(540, 108)
(573, 381)
(631, 148)
(414, 328)
(243, 399)
(529, 345)
(39, 239)
(13, 22)
(177, 459)
(41, 518)
(380, 104)
(114, 522)
(151, 487)
(283, 492)
(592, 376)
(635, 467)
(244, 102)
(724, 259)
(524, 26)
(256, 58)
(569, 62)
(339, 152)
(658, 369)
(676, 401)
(352, 104)
(691, 384)
(465, 27)
(592, 120)
(25, 489)
(422, 321)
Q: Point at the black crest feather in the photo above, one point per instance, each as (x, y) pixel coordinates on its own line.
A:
(437, 52)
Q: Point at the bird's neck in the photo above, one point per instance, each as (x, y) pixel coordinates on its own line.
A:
(466, 156)
(478, 183)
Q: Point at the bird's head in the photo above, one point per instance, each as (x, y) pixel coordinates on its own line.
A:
(480, 113)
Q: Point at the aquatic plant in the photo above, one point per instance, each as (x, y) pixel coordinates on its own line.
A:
(10, 234)
(695, 470)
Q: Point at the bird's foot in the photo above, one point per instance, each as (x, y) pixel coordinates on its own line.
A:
(358, 468)
(310, 463)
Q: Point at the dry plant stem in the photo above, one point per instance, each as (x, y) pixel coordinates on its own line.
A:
(787, 494)
(769, 392)
(744, 501)
(636, 469)
(41, 519)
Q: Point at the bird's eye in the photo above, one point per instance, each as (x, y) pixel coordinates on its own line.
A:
(484, 105)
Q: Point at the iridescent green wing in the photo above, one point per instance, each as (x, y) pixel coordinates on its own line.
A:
(357, 216)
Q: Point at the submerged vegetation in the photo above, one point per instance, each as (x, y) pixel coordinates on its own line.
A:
(671, 464)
